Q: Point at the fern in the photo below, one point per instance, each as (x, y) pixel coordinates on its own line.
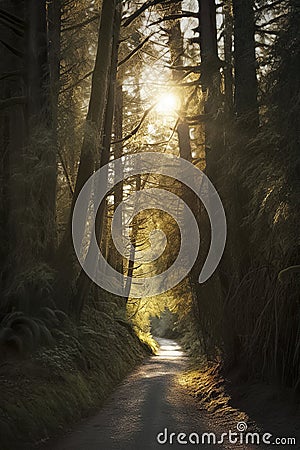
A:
(20, 333)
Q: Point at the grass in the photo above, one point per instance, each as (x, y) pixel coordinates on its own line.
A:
(205, 382)
(45, 394)
(229, 400)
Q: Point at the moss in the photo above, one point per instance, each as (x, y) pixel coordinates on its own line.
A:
(205, 382)
(58, 386)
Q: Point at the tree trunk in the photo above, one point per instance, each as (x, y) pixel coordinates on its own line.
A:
(134, 235)
(245, 98)
(12, 138)
(115, 258)
(54, 44)
(65, 258)
(228, 72)
(210, 82)
(41, 125)
(84, 282)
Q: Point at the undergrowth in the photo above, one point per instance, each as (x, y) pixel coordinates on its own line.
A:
(206, 383)
(60, 383)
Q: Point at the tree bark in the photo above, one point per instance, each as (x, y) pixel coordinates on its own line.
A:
(245, 98)
(228, 72)
(15, 246)
(65, 257)
(210, 82)
(83, 283)
(41, 126)
(116, 259)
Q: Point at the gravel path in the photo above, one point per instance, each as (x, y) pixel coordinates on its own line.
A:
(144, 405)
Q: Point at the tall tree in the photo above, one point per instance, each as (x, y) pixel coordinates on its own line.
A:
(91, 146)
(83, 282)
(246, 106)
(31, 167)
(211, 83)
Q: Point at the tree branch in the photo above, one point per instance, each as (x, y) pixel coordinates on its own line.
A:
(87, 75)
(175, 17)
(135, 50)
(270, 6)
(274, 20)
(82, 24)
(14, 50)
(66, 173)
(128, 20)
(136, 129)
(8, 102)
(271, 32)
(15, 73)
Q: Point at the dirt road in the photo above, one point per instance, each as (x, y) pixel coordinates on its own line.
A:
(148, 405)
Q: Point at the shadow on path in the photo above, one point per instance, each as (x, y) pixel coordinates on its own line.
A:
(144, 405)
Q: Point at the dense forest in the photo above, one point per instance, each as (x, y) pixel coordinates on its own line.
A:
(90, 87)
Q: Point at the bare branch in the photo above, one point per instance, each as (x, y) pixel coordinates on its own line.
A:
(15, 73)
(271, 32)
(175, 17)
(269, 6)
(136, 129)
(8, 102)
(87, 75)
(135, 50)
(81, 24)
(66, 173)
(12, 49)
(128, 20)
(274, 20)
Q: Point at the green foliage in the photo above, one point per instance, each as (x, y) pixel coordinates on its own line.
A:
(31, 289)
(21, 334)
(66, 380)
(285, 274)
(244, 312)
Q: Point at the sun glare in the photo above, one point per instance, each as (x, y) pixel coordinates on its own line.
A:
(167, 104)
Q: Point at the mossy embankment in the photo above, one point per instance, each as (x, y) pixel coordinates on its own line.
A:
(232, 397)
(43, 394)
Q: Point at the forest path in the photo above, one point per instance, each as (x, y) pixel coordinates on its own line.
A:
(146, 403)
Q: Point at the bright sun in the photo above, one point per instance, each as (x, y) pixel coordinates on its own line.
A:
(167, 103)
